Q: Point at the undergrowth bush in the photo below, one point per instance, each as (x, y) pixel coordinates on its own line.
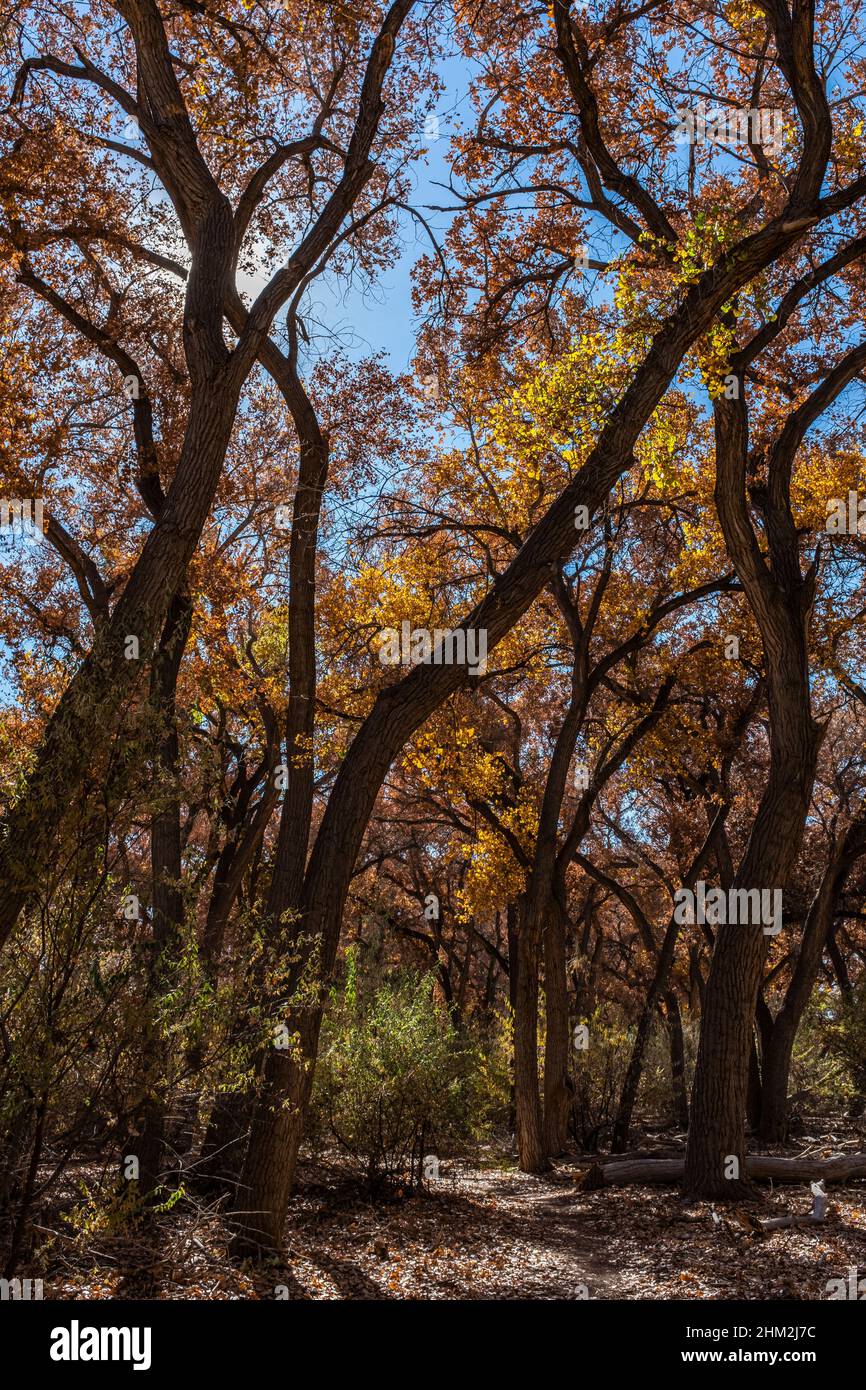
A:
(599, 1071)
(397, 1082)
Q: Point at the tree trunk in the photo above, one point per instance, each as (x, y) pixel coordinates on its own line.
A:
(268, 1174)
(512, 928)
(657, 990)
(678, 1060)
(773, 1114)
(532, 1155)
(781, 602)
(557, 1092)
(754, 1088)
(148, 1145)
(18, 1233)
(167, 896)
(243, 840)
(630, 1085)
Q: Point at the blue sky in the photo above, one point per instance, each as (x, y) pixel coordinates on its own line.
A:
(381, 318)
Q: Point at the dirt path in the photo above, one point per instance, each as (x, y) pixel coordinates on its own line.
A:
(500, 1234)
(491, 1234)
(488, 1233)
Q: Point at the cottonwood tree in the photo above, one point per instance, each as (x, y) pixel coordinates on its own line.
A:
(70, 98)
(758, 239)
(686, 245)
(781, 597)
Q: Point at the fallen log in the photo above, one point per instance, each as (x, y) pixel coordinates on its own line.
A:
(620, 1173)
(782, 1223)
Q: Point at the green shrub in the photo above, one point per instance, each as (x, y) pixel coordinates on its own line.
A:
(396, 1081)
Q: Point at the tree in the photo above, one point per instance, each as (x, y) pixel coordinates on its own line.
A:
(278, 1123)
(560, 506)
(213, 233)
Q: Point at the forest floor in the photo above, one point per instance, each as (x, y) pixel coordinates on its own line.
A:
(483, 1232)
